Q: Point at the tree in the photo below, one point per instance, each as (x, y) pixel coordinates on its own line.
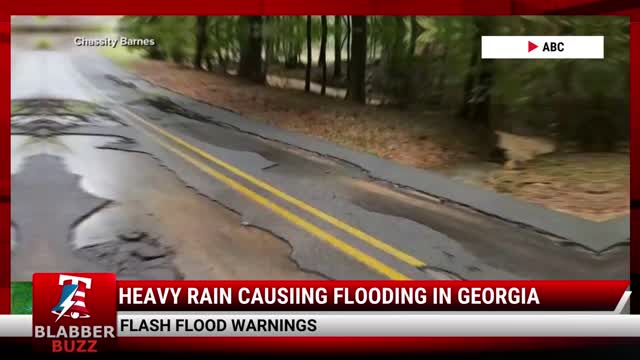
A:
(469, 81)
(291, 34)
(323, 55)
(307, 75)
(140, 26)
(347, 20)
(220, 43)
(358, 59)
(479, 79)
(478, 87)
(201, 41)
(413, 37)
(337, 46)
(397, 69)
(578, 103)
(251, 67)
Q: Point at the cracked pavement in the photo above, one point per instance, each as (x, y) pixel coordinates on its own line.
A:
(97, 187)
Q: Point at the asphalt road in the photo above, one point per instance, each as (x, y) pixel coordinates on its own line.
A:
(110, 173)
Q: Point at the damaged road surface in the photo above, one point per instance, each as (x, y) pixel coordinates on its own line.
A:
(110, 173)
(80, 203)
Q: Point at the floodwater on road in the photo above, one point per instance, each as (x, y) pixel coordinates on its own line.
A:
(147, 223)
(92, 191)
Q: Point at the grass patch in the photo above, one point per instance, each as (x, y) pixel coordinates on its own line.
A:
(594, 186)
(21, 298)
(43, 44)
(122, 56)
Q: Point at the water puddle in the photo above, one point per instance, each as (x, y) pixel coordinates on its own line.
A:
(66, 189)
(287, 160)
(146, 223)
(105, 174)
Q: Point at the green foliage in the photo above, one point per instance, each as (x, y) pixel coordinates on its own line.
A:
(21, 302)
(288, 33)
(43, 44)
(583, 101)
(122, 55)
(580, 101)
(173, 35)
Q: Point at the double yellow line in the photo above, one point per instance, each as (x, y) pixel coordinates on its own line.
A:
(159, 134)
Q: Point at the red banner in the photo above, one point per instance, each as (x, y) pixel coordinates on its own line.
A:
(78, 312)
(558, 299)
(5, 165)
(367, 345)
(370, 295)
(333, 7)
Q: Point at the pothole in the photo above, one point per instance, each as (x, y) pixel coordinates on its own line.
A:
(127, 84)
(166, 105)
(135, 254)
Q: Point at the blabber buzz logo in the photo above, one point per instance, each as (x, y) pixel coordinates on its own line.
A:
(72, 297)
(74, 312)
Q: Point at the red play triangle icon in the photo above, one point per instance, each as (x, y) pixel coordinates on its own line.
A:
(532, 46)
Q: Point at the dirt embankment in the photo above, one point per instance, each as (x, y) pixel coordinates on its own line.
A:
(593, 186)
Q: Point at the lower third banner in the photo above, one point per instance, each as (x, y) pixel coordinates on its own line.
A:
(94, 312)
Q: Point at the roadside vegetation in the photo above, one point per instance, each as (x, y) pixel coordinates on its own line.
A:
(43, 44)
(21, 302)
(414, 89)
(122, 56)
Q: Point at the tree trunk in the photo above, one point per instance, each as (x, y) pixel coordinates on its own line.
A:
(372, 46)
(348, 20)
(292, 56)
(307, 75)
(413, 37)
(156, 53)
(479, 80)
(222, 60)
(323, 55)
(469, 81)
(442, 74)
(250, 66)
(209, 60)
(268, 46)
(337, 46)
(358, 62)
(201, 41)
(482, 103)
(395, 62)
(476, 108)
